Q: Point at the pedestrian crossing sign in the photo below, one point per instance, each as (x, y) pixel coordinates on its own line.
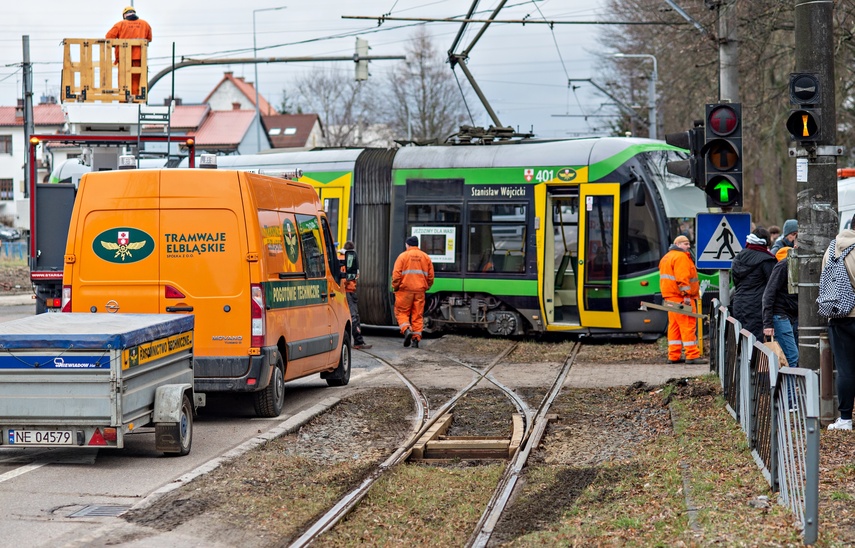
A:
(720, 237)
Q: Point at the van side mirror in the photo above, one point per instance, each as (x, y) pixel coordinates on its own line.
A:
(351, 264)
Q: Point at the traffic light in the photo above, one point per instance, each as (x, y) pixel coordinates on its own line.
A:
(693, 141)
(804, 122)
(358, 56)
(722, 153)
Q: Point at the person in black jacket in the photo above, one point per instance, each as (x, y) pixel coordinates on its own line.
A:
(781, 313)
(751, 269)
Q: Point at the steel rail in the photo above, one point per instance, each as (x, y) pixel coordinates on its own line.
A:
(350, 500)
(504, 490)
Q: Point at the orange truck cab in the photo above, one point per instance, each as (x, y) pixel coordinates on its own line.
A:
(251, 256)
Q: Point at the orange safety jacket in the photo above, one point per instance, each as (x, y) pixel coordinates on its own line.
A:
(413, 271)
(127, 29)
(678, 277)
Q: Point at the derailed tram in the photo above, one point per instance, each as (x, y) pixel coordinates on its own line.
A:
(526, 237)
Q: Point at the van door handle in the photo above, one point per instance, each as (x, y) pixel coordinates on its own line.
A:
(179, 309)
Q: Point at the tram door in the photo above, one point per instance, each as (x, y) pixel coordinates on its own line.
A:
(597, 263)
(560, 258)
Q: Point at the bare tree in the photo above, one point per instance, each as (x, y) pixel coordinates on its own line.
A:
(423, 100)
(340, 102)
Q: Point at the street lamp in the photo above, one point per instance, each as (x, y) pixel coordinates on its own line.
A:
(255, 56)
(651, 92)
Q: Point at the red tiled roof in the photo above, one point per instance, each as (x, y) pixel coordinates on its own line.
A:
(223, 129)
(188, 116)
(43, 115)
(248, 89)
(301, 125)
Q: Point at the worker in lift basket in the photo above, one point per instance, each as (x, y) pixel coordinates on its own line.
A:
(131, 27)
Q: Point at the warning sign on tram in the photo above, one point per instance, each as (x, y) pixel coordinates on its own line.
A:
(720, 237)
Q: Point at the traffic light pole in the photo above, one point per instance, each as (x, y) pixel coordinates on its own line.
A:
(728, 89)
(817, 197)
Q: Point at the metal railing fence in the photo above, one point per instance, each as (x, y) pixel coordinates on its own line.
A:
(777, 409)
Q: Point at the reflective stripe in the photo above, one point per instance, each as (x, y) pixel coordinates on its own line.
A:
(690, 343)
(422, 272)
(693, 280)
(685, 287)
(419, 333)
(667, 277)
(676, 343)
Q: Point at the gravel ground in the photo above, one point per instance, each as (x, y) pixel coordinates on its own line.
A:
(14, 279)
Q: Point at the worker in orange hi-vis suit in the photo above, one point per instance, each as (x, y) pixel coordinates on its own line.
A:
(411, 278)
(131, 27)
(678, 282)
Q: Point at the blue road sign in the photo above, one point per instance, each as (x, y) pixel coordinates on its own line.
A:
(720, 237)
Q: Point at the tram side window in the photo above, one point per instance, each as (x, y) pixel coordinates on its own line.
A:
(497, 238)
(310, 237)
(438, 227)
(640, 238)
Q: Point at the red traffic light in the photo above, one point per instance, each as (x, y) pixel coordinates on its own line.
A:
(722, 120)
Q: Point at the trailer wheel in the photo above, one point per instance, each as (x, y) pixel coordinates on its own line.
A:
(341, 375)
(182, 431)
(270, 401)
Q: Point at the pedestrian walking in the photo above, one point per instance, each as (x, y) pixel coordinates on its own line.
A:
(131, 27)
(350, 281)
(788, 235)
(750, 270)
(411, 278)
(841, 331)
(678, 282)
(781, 312)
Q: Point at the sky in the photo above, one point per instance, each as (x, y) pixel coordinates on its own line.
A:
(522, 70)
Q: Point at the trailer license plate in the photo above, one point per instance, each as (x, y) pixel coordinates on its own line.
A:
(40, 437)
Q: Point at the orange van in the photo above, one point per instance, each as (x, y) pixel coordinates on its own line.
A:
(251, 256)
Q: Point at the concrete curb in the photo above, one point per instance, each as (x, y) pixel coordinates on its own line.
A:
(17, 300)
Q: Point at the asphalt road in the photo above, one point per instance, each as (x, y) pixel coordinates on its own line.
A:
(43, 491)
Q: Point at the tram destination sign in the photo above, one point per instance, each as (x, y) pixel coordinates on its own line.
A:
(499, 192)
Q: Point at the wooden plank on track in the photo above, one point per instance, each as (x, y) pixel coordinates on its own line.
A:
(516, 435)
(439, 428)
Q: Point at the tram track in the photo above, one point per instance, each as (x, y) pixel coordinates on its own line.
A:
(534, 426)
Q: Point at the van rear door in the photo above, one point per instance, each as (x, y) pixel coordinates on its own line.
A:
(203, 260)
(118, 223)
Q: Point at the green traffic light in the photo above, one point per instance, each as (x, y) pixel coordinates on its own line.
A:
(723, 191)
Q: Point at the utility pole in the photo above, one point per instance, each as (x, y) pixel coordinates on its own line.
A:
(29, 124)
(817, 196)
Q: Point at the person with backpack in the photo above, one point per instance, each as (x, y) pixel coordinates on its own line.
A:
(836, 301)
(750, 270)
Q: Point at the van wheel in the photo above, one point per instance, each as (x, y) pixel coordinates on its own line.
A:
(341, 375)
(182, 431)
(270, 401)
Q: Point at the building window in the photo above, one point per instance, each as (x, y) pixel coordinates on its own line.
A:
(5, 144)
(290, 131)
(7, 189)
